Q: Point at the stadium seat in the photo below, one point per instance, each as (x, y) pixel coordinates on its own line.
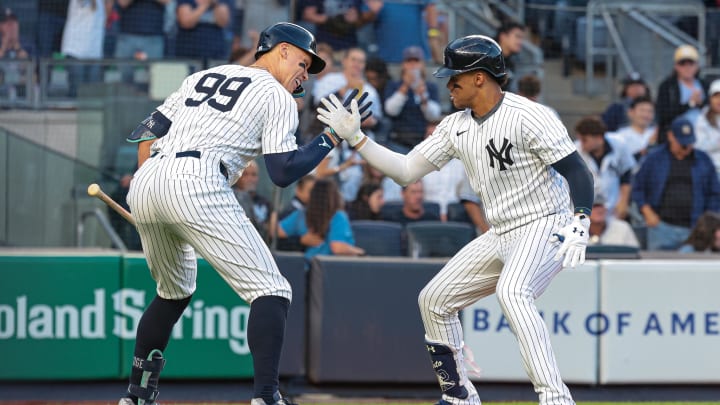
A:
(456, 213)
(437, 239)
(378, 238)
(395, 206)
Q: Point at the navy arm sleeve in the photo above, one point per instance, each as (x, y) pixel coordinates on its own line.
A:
(287, 167)
(580, 180)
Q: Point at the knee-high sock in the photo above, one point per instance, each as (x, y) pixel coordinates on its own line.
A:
(154, 329)
(266, 332)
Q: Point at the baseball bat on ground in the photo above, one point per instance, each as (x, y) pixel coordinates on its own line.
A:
(94, 190)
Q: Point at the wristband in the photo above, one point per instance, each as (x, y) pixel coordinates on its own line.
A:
(333, 135)
(583, 211)
(433, 32)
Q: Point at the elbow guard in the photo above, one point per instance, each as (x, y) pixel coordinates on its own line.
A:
(156, 125)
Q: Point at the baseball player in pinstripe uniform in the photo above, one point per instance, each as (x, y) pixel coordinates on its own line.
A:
(516, 153)
(190, 150)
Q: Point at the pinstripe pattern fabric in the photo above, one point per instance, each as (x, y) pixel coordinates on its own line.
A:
(184, 205)
(507, 156)
(263, 119)
(528, 188)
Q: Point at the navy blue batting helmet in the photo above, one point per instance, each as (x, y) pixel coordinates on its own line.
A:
(473, 52)
(292, 34)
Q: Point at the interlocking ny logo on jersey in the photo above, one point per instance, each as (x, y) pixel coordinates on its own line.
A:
(324, 143)
(502, 155)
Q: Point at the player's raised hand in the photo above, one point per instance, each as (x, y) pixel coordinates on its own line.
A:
(574, 238)
(363, 106)
(346, 124)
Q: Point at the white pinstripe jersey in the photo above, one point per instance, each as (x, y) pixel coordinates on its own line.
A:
(233, 111)
(507, 155)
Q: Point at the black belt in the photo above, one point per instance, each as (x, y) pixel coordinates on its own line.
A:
(196, 154)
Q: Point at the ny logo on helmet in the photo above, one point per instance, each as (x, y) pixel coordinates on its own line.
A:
(502, 155)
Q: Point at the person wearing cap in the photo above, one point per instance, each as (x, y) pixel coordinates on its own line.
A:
(411, 102)
(606, 229)
(675, 184)
(616, 114)
(707, 127)
(682, 93)
(610, 162)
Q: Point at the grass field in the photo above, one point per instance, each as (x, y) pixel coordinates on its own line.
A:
(356, 402)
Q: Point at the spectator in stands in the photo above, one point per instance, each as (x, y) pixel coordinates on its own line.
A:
(368, 203)
(301, 196)
(83, 39)
(606, 229)
(324, 227)
(640, 132)
(529, 87)
(50, 24)
(124, 229)
(299, 202)
(141, 34)
(411, 102)
(510, 36)
(256, 206)
(10, 44)
(238, 26)
(400, 24)
(705, 235)
(682, 93)
(412, 210)
(712, 31)
(343, 165)
(674, 186)
(443, 186)
(392, 192)
(616, 114)
(707, 127)
(332, 21)
(376, 73)
(610, 162)
(201, 25)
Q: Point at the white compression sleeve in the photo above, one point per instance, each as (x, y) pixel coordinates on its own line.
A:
(404, 169)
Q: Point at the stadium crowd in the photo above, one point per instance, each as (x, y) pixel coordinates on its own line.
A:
(655, 153)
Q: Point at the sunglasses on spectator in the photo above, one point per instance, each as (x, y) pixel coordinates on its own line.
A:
(685, 62)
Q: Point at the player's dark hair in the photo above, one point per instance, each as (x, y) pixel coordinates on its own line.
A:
(325, 201)
(590, 126)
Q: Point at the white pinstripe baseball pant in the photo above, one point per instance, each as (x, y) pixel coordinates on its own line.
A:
(517, 265)
(184, 204)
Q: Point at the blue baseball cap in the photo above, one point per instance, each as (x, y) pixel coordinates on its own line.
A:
(683, 131)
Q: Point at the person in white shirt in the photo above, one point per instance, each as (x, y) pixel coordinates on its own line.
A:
(83, 39)
(443, 186)
(610, 163)
(608, 230)
(707, 127)
(642, 132)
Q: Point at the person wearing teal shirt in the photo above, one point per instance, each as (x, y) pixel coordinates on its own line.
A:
(324, 227)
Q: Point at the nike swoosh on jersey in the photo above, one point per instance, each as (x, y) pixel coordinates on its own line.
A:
(458, 133)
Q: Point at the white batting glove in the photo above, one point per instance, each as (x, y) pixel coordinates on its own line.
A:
(574, 239)
(346, 124)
